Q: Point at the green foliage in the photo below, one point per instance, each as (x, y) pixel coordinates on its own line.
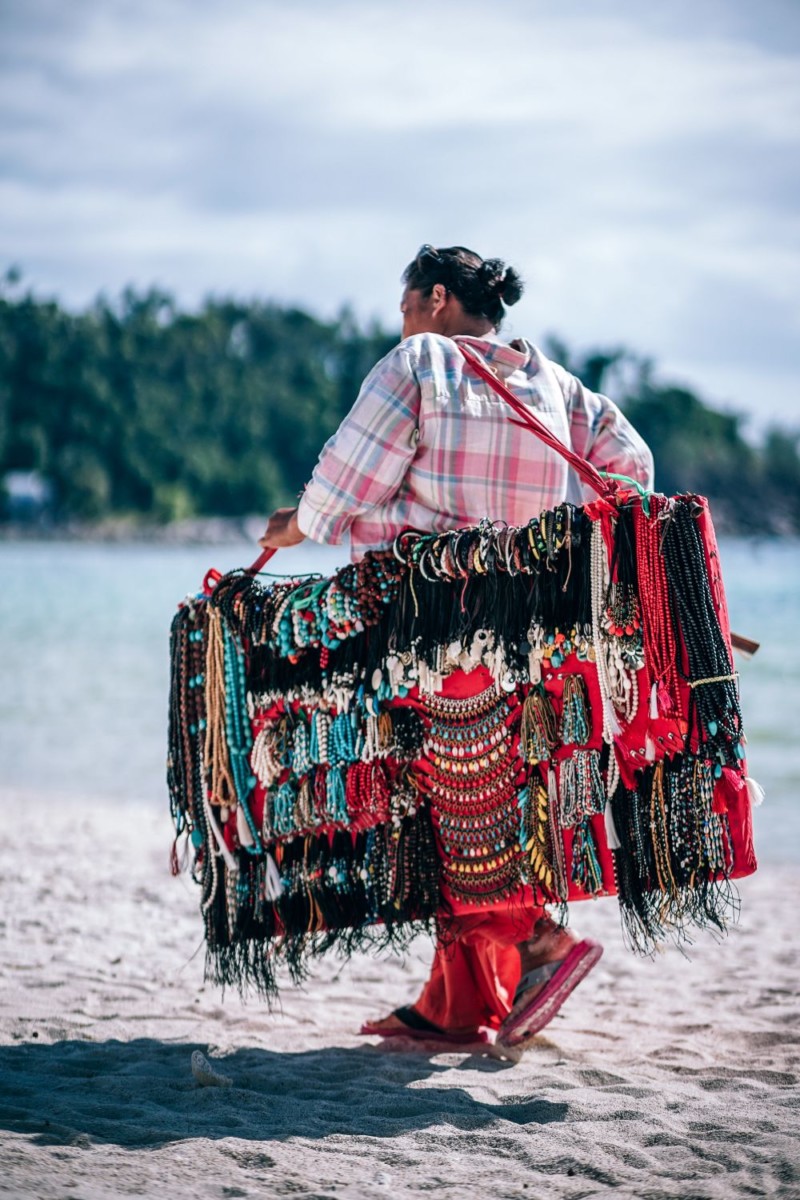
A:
(134, 407)
(697, 448)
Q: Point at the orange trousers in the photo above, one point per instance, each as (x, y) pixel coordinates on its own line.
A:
(476, 968)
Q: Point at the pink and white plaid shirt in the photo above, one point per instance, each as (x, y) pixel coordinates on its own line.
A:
(428, 445)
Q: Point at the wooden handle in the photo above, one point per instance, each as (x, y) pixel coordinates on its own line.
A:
(744, 645)
(263, 558)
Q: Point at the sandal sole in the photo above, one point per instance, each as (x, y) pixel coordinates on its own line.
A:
(422, 1035)
(540, 1012)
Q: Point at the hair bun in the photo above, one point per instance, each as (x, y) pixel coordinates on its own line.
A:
(511, 286)
(500, 280)
(490, 274)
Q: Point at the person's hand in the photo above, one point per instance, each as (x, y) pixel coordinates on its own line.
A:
(282, 530)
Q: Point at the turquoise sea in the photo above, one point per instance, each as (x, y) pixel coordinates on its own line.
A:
(84, 668)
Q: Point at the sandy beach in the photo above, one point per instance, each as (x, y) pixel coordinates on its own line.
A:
(665, 1078)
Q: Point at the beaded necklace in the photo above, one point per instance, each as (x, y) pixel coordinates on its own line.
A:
(714, 712)
(576, 723)
(541, 836)
(660, 649)
(187, 724)
(538, 728)
(473, 792)
(268, 756)
(581, 789)
(599, 578)
(586, 871)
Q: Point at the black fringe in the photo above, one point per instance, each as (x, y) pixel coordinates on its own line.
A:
(317, 911)
(654, 908)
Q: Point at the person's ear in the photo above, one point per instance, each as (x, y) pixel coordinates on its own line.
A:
(438, 299)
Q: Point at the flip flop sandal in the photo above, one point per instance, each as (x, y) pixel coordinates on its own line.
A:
(419, 1028)
(559, 978)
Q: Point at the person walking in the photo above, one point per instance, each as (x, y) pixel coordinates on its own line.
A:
(428, 445)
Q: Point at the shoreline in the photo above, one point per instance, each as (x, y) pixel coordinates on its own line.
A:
(200, 531)
(230, 531)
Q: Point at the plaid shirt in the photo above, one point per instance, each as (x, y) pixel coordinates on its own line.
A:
(429, 446)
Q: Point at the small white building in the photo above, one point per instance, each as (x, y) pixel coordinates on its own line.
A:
(25, 495)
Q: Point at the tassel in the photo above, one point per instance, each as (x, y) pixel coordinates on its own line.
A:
(243, 829)
(343, 737)
(654, 702)
(385, 734)
(370, 749)
(538, 733)
(560, 884)
(283, 808)
(301, 760)
(320, 795)
(265, 758)
(575, 727)
(216, 755)
(318, 741)
(586, 870)
(230, 861)
(612, 837)
(356, 780)
(552, 790)
(273, 885)
(337, 801)
(568, 790)
(303, 806)
(755, 791)
(612, 775)
(582, 791)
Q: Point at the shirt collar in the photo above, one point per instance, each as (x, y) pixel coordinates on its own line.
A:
(504, 357)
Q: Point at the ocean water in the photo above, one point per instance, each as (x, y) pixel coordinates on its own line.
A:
(84, 668)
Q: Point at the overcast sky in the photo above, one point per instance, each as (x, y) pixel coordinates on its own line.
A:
(637, 163)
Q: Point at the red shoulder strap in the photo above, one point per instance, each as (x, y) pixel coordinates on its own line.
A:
(528, 420)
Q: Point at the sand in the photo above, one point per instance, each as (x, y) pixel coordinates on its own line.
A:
(665, 1078)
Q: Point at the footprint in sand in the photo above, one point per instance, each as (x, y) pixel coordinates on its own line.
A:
(205, 1074)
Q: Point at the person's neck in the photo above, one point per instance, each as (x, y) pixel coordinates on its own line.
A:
(469, 328)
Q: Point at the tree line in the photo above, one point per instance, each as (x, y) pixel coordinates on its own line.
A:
(133, 407)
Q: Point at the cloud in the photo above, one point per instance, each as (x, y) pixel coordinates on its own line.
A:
(638, 163)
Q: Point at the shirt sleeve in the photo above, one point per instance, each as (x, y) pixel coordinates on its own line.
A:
(364, 463)
(602, 434)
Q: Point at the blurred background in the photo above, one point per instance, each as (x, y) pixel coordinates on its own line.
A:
(206, 211)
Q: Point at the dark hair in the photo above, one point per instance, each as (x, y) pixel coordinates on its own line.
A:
(483, 286)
